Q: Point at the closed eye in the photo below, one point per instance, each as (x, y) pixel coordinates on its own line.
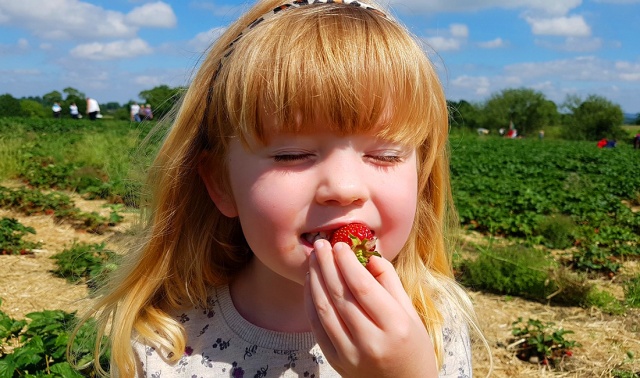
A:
(387, 158)
(289, 158)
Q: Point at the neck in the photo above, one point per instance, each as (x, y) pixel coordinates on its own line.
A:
(268, 300)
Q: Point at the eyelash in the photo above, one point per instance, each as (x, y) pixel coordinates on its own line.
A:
(288, 158)
(386, 158)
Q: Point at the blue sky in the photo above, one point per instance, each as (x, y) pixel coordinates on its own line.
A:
(113, 49)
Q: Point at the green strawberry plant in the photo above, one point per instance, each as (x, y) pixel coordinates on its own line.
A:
(89, 263)
(515, 188)
(37, 346)
(32, 201)
(11, 237)
(542, 342)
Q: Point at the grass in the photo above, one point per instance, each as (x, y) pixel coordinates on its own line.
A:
(10, 157)
(98, 159)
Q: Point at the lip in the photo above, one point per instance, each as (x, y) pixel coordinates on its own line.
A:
(328, 230)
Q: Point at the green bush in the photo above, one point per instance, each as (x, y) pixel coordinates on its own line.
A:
(512, 270)
(557, 231)
(89, 263)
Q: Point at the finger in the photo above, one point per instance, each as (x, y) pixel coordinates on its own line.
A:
(330, 320)
(377, 289)
(321, 336)
(344, 302)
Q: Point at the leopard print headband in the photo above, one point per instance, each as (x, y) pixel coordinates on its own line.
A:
(280, 8)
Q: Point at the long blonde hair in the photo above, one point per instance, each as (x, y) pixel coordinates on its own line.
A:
(357, 69)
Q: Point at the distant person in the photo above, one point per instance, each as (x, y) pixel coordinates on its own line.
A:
(148, 114)
(541, 134)
(512, 133)
(636, 141)
(73, 110)
(611, 143)
(56, 109)
(602, 142)
(135, 112)
(93, 109)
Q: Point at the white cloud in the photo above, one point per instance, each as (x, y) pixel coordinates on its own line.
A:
(217, 9)
(573, 26)
(64, 19)
(202, 41)
(451, 39)
(635, 76)
(20, 47)
(573, 44)
(459, 30)
(583, 69)
(75, 19)
(158, 15)
(478, 85)
(23, 44)
(113, 50)
(443, 43)
(628, 71)
(147, 81)
(492, 44)
(549, 7)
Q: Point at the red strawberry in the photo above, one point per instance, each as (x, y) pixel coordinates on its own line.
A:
(359, 237)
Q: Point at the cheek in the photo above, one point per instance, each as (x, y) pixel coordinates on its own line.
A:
(399, 215)
(267, 207)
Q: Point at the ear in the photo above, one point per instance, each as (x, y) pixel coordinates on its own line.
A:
(223, 200)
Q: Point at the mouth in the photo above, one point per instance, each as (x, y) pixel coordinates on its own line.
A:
(312, 237)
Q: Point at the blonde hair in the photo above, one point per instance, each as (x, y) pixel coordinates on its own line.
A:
(355, 68)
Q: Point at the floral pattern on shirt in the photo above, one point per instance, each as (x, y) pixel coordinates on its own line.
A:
(220, 343)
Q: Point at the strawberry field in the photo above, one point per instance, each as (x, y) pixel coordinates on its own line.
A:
(548, 244)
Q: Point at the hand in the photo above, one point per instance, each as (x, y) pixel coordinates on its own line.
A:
(362, 318)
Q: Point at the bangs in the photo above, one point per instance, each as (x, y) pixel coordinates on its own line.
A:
(351, 69)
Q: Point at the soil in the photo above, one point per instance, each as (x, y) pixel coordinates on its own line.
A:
(27, 285)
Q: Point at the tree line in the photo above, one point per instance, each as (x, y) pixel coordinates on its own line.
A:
(162, 98)
(529, 111)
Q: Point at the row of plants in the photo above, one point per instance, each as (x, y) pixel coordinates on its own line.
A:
(563, 195)
(534, 274)
(60, 206)
(95, 160)
(37, 345)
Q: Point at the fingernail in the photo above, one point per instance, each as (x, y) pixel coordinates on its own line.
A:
(341, 246)
(319, 243)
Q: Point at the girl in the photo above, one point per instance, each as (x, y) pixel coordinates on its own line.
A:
(304, 117)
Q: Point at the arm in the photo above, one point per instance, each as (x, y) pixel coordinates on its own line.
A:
(363, 319)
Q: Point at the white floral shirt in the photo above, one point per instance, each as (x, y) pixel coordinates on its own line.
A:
(221, 343)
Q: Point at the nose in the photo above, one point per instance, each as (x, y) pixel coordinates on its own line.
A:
(343, 180)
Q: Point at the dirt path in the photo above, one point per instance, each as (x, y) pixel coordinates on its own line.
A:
(27, 285)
